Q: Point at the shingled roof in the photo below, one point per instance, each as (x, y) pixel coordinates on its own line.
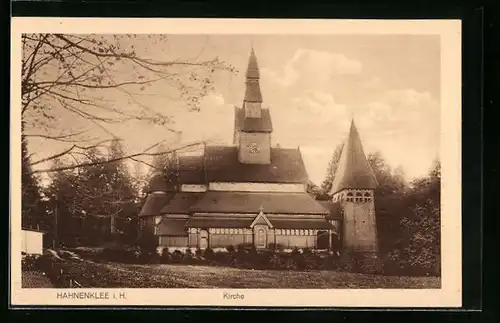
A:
(172, 227)
(334, 208)
(181, 203)
(353, 170)
(191, 170)
(262, 124)
(154, 203)
(252, 91)
(158, 183)
(222, 165)
(253, 66)
(251, 202)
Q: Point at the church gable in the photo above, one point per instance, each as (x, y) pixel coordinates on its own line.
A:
(261, 219)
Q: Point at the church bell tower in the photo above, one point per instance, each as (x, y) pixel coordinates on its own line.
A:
(353, 187)
(253, 126)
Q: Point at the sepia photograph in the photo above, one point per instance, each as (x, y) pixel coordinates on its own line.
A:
(234, 161)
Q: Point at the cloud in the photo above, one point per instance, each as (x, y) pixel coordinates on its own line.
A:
(311, 69)
(405, 126)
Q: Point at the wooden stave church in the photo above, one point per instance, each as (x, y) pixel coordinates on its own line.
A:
(253, 193)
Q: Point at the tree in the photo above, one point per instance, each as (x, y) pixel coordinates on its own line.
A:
(326, 186)
(33, 214)
(70, 75)
(389, 182)
(417, 244)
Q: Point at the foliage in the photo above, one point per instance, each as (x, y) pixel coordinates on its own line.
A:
(93, 204)
(326, 186)
(32, 208)
(409, 226)
(70, 76)
(407, 220)
(389, 181)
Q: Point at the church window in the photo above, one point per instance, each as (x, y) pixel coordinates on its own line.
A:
(367, 197)
(359, 197)
(287, 232)
(217, 230)
(231, 231)
(350, 197)
(278, 231)
(211, 230)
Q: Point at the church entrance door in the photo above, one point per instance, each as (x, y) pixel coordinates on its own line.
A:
(322, 240)
(261, 238)
(203, 239)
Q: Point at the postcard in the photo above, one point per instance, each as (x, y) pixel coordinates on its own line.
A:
(235, 162)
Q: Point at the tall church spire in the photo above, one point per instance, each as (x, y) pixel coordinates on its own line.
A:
(253, 66)
(353, 171)
(252, 103)
(252, 124)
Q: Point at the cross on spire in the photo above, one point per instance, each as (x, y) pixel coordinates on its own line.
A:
(261, 209)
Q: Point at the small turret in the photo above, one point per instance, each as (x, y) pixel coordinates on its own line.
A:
(353, 186)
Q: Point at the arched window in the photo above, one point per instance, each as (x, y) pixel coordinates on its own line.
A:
(368, 197)
(350, 197)
(359, 197)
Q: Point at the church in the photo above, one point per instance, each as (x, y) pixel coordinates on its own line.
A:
(254, 193)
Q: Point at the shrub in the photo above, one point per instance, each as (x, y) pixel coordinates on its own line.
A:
(329, 262)
(246, 247)
(223, 258)
(347, 262)
(119, 254)
(230, 249)
(260, 260)
(165, 257)
(276, 247)
(177, 256)
(276, 261)
(310, 261)
(289, 262)
(51, 266)
(208, 254)
(307, 251)
(370, 264)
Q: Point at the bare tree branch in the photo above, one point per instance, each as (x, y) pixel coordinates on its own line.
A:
(56, 169)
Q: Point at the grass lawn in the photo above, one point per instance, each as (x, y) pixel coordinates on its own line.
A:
(35, 279)
(115, 275)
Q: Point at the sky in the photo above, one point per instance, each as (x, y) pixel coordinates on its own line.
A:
(313, 86)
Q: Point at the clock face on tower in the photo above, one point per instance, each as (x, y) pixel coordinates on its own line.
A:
(253, 148)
